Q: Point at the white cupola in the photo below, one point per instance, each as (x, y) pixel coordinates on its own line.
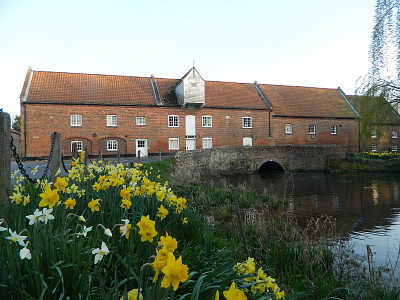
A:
(190, 91)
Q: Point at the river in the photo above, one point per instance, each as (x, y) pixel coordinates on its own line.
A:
(366, 206)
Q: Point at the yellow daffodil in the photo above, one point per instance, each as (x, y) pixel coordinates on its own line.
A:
(216, 295)
(159, 263)
(185, 221)
(234, 294)
(27, 199)
(70, 203)
(16, 197)
(162, 212)
(126, 204)
(61, 184)
(125, 193)
(169, 244)
(147, 229)
(174, 272)
(126, 228)
(94, 205)
(49, 197)
(133, 295)
(96, 186)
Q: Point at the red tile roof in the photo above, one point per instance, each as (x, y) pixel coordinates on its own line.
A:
(231, 94)
(78, 88)
(57, 87)
(307, 101)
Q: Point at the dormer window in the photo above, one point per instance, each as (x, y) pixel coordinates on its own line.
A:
(191, 90)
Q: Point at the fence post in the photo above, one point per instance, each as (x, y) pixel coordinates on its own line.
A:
(118, 157)
(100, 155)
(5, 163)
(55, 163)
(159, 154)
(139, 156)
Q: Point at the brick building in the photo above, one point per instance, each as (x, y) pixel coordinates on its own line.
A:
(381, 130)
(129, 114)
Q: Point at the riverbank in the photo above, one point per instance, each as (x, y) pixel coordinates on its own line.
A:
(305, 259)
(366, 162)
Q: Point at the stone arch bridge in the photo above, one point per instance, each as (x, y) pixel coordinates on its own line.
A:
(230, 160)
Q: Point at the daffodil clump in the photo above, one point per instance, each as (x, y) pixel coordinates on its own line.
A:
(258, 279)
(100, 213)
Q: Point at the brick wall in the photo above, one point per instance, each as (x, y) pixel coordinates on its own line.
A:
(41, 120)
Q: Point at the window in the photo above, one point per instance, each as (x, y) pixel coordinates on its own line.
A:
(207, 143)
(112, 145)
(173, 144)
(206, 121)
(374, 134)
(141, 143)
(333, 129)
(394, 134)
(173, 121)
(394, 148)
(247, 122)
(140, 121)
(247, 141)
(311, 129)
(288, 128)
(111, 120)
(76, 120)
(373, 148)
(79, 145)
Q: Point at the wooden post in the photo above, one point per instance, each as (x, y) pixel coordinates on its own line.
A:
(118, 157)
(138, 154)
(100, 155)
(55, 162)
(74, 151)
(5, 163)
(159, 154)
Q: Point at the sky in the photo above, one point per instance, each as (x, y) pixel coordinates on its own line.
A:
(288, 42)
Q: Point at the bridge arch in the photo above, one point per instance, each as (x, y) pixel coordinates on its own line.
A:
(270, 166)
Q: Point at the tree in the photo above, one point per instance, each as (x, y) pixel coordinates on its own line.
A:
(16, 124)
(381, 86)
(383, 79)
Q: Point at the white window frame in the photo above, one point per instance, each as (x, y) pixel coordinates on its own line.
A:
(247, 122)
(76, 120)
(112, 121)
(394, 148)
(141, 121)
(207, 143)
(112, 145)
(173, 144)
(374, 134)
(173, 121)
(374, 148)
(334, 130)
(394, 134)
(79, 145)
(289, 129)
(206, 121)
(312, 129)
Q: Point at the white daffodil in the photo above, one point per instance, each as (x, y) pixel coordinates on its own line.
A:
(46, 215)
(124, 228)
(58, 172)
(86, 230)
(107, 232)
(16, 238)
(25, 253)
(2, 228)
(14, 174)
(99, 253)
(35, 170)
(36, 217)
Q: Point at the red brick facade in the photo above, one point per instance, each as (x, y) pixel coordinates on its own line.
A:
(49, 99)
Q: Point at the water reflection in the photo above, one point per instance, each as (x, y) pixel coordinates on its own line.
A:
(366, 205)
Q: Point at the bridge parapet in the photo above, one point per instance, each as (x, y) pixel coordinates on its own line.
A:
(231, 160)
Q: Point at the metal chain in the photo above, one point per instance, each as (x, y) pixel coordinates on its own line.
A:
(63, 164)
(50, 156)
(18, 160)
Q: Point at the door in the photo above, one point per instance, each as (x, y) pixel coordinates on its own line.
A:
(141, 146)
(190, 144)
(190, 126)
